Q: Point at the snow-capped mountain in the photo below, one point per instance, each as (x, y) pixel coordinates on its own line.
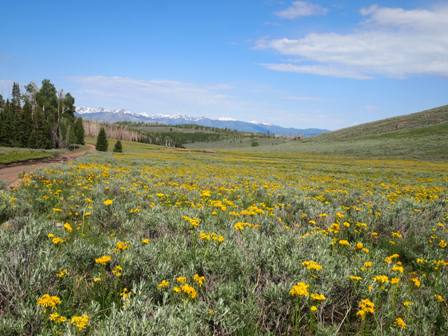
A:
(115, 115)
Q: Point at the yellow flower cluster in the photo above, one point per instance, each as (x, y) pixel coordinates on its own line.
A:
(186, 289)
(194, 222)
(299, 289)
(365, 307)
(211, 236)
(121, 246)
(80, 322)
(103, 260)
(49, 301)
(312, 265)
(240, 226)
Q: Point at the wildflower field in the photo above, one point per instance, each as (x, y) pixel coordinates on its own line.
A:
(171, 242)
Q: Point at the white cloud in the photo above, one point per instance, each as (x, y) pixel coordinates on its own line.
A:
(153, 96)
(314, 69)
(393, 42)
(301, 8)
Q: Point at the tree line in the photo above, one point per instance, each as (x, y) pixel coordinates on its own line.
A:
(39, 118)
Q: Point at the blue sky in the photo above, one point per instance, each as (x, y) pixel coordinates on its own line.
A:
(327, 64)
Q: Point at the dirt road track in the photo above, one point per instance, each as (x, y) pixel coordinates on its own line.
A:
(11, 173)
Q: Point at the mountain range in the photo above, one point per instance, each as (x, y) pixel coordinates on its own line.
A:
(115, 115)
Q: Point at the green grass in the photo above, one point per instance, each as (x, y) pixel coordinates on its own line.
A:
(12, 155)
(420, 136)
(128, 146)
(408, 123)
(238, 142)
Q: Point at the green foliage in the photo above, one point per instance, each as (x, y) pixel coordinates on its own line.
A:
(118, 147)
(39, 118)
(101, 141)
(79, 132)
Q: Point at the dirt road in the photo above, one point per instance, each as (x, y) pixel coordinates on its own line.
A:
(11, 173)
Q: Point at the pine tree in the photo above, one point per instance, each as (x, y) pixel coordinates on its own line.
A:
(101, 141)
(118, 148)
(47, 100)
(40, 137)
(26, 124)
(79, 131)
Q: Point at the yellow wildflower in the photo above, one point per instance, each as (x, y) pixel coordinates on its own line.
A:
(108, 202)
(103, 260)
(439, 298)
(199, 279)
(186, 289)
(318, 297)
(299, 289)
(312, 265)
(407, 303)
(416, 281)
(163, 284)
(57, 240)
(399, 322)
(117, 271)
(394, 281)
(344, 242)
(125, 294)
(381, 279)
(365, 307)
(121, 246)
(57, 318)
(63, 272)
(181, 279)
(48, 301)
(80, 322)
(68, 227)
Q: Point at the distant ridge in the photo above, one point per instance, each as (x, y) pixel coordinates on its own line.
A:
(384, 127)
(108, 115)
(421, 135)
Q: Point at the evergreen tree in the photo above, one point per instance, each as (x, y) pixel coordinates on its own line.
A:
(16, 97)
(40, 136)
(101, 141)
(79, 131)
(71, 135)
(25, 124)
(69, 106)
(118, 148)
(47, 100)
(39, 118)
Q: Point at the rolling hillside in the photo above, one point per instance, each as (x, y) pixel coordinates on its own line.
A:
(418, 124)
(422, 135)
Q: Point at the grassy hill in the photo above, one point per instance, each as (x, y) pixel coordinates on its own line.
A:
(422, 135)
(419, 123)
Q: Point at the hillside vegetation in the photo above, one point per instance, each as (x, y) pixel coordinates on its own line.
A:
(422, 135)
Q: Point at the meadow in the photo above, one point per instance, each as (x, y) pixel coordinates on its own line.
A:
(179, 242)
(12, 155)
